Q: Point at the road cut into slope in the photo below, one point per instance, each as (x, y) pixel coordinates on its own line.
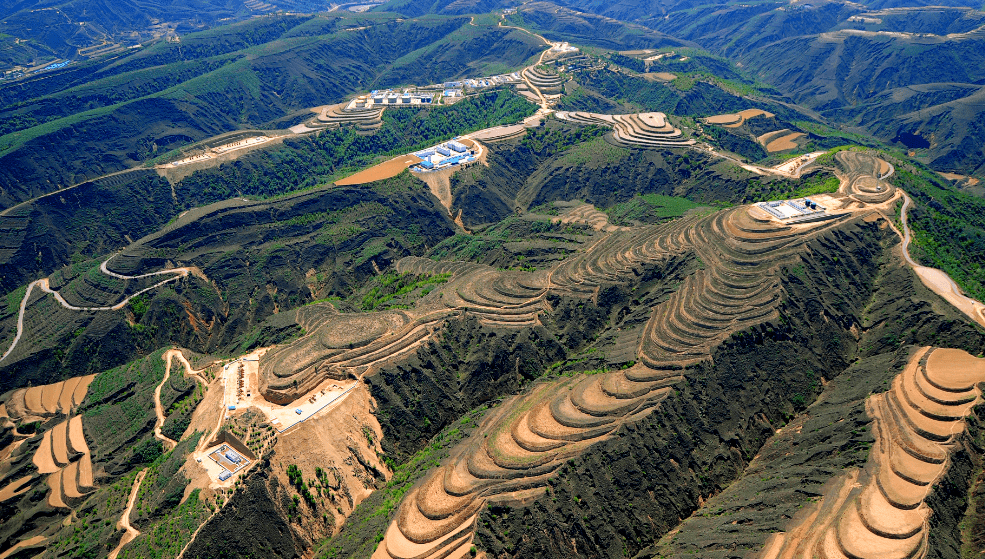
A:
(938, 281)
(43, 285)
(159, 410)
(124, 523)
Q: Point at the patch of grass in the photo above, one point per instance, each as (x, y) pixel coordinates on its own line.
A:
(649, 208)
(392, 286)
(14, 299)
(595, 152)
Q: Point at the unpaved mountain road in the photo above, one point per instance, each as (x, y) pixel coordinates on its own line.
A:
(938, 281)
(43, 285)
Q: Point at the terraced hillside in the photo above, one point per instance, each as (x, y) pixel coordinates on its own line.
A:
(645, 130)
(366, 121)
(874, 65)
(741, 286)
(533, 437)
(634, 315)
(543, 80)
(881, 510)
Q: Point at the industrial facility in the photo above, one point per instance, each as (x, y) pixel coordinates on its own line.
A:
(443, 156)
(792, 211)
(230, 461)
(391, 98)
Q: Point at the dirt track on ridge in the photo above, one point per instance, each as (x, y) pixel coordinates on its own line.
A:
(124, 522)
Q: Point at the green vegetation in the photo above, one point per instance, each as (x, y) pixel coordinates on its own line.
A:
(159, 504)
(312, 161)
(948, 227)
(14, 299)
(119, 410)
(649, 208)
(489, 245)
(95, 521)
(688, 98)
(594, 153)
(393, 285)
(464, 247)
(365, 527)
(549, 141)
(297, 480)
(818, 182)
(179, 397)
(138, 306)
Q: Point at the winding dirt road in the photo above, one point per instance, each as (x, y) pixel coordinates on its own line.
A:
(169, 444)
(124, 522)
(43, 285)
(938, 281)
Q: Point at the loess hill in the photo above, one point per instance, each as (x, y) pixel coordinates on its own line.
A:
(600, 338)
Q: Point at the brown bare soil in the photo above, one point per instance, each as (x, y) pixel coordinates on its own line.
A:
(70, 479)
(55, 497)
(81, 389)
(530, 437)
(32, 400)
(77, 440)
(724, 119)
(85, 473)
(65, 399)
(500, 133)
(43, 458)
(59, 443)
(49, 397)
(972, 181)
(384, 170)
(15, 488)
(739, 118)
(660, 76)
(24, 544)
(768, 137)
(784, 143)
(439, 183)
(753, 113)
